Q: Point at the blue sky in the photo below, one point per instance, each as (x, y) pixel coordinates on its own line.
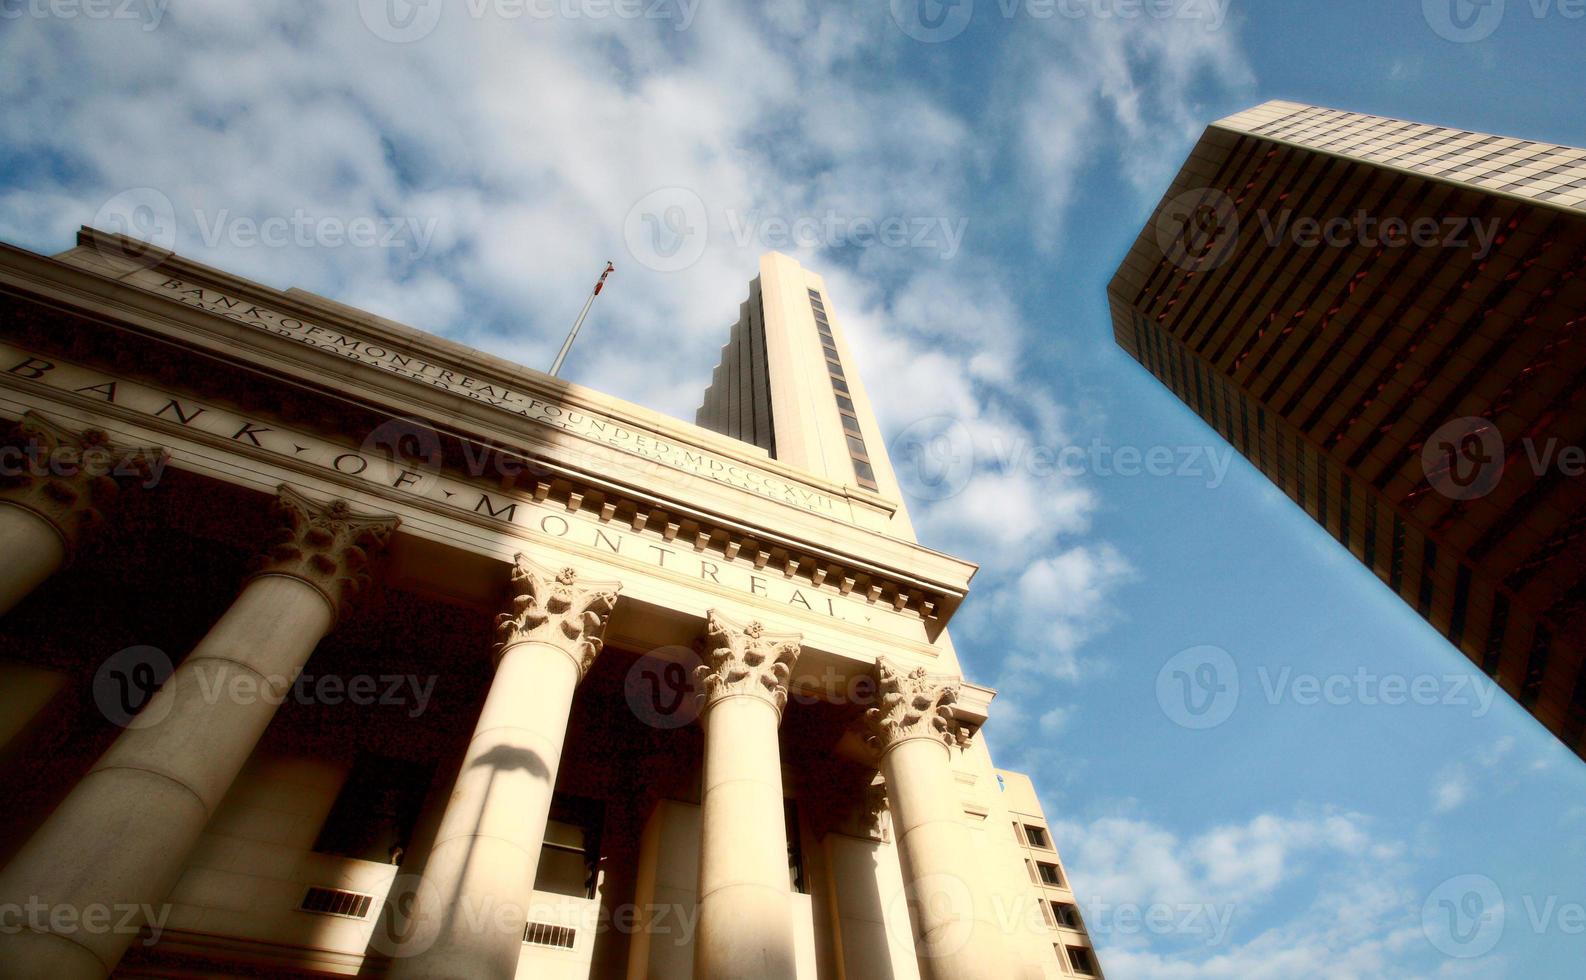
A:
(504, 155)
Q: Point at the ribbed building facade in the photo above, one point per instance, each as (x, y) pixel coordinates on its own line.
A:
(1389, 320)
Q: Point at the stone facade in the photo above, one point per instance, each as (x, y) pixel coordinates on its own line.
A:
(393, 658)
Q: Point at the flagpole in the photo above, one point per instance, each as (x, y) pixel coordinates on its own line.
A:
(572, 334)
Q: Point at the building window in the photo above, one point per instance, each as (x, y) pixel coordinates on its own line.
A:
(1037, 837)
(1080, 958)
(795, 850)
(376, 809)
(1028, 864)
(1050, 875)
(1018, 833)
(866, 475)
(570, 857)
(1066, 914)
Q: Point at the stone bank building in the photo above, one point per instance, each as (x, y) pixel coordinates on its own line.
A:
(329, 647)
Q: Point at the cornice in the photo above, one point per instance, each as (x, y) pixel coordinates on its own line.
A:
(797, 541)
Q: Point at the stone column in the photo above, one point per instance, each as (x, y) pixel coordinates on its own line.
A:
(54, 485)
(956, 933)
(121, 837)
(478, 882)
(745, 908)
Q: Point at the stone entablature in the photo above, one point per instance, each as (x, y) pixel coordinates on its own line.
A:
(796, 574)
(772, 546)
(483, 379)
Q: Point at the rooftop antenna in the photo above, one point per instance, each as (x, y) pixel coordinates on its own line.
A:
(572, 334)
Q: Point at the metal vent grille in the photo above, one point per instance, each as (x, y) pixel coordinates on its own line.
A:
(545, 934)
(334, 901)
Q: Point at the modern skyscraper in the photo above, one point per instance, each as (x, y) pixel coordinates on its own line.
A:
(332, 647)
(1389, 320)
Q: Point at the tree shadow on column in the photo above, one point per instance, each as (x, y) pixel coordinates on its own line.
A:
(396, 923)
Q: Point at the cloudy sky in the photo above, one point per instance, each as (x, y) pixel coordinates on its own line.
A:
(967, 176)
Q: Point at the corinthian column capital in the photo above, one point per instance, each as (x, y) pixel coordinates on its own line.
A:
(745, 660)
(913, 704)
(554, 606)
(325, 545)
(69, 476)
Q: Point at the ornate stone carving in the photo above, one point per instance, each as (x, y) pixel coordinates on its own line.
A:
(324, 544)
(556, 607)
(745, 660)
(913, 704)
(68, 477)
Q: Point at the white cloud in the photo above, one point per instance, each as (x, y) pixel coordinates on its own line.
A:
(1302, 895)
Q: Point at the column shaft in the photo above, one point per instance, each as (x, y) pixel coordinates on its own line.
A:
(957, 936)
(52, 491)
(120, 838)
(746, 912)
(34, 551)
(478, 883)
(119, 841)
(477, 889)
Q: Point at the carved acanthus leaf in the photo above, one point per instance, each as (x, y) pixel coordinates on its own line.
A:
(912, 704)
(68, 476)
(555, 606)
(324, 544)
(745, 660)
